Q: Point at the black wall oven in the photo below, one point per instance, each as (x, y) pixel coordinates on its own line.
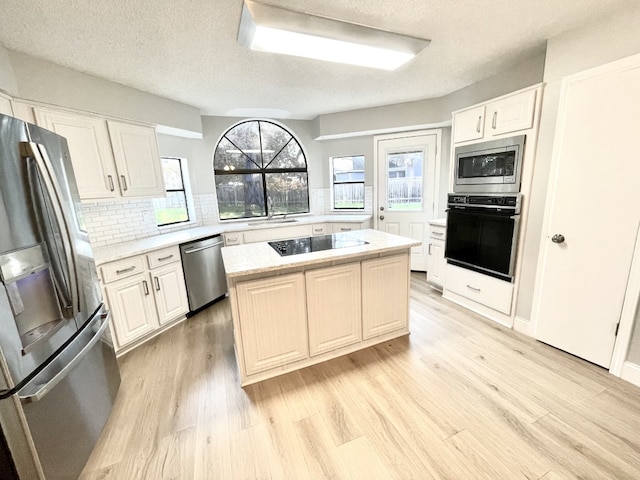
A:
(482, 233)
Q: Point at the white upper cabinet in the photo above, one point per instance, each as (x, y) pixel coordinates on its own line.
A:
(110, 159)
(90, 149)
(135, 151)
(511, 114)
(469, 125)
(5, 106)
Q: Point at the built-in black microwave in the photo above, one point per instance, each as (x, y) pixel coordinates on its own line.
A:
(489, 167)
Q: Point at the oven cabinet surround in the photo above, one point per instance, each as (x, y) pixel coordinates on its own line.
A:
(292, 312)
(436, 262)
(111, 159)
(517, 113)
(146, 295)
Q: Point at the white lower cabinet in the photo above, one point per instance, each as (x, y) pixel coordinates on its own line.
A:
(144, 293)
(482, 289)
(273, 329)
(334, 312)
(385, 295)
(436, 261)
(132, 308)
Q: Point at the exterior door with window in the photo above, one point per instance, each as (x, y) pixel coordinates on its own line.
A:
(406, 169)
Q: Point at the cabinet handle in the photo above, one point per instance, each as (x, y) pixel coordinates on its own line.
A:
(125, 270)
(473, 288)
(157, 283)
(145, 285)
(162, 259)
(429, 249)
(111, 186)
(495, 120)
(437, 233)
(124, 182)
(348, 229)
(478, 124)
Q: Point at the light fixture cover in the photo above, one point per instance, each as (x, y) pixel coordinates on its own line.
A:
(265, 27)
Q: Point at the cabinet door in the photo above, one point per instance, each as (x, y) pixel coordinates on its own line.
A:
(511, 114)
(132, 308)
(5, 106)
(170, 292)
(385, 295)
(468, 125)
(333, 307)
(273, 321)
(90, 150)
(436, 263)
(135, 151)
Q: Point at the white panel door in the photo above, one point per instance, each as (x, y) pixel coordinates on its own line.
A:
(593, 200)
(406, 171)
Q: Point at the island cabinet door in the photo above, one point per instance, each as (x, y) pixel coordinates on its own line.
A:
(273, 321)
(385, 295)
(333, 307)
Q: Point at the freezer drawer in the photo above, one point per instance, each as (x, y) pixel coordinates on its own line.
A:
(203, 271)
(66, 408)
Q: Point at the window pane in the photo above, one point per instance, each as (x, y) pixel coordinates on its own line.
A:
(240, 196)
(288, 192)
(348, 195)
(348, 169)
(229, 158)
(290, 157)
(404, 181)
(246, 137)
(172, 174)
(274, 138)
(171, 209)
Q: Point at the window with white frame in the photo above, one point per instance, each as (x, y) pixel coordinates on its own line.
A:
(347, 176)
(174, 207)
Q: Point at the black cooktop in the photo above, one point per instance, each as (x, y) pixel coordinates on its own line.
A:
(314, 244)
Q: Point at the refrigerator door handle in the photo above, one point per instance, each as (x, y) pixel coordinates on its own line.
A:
(39, 154)
(47, 387)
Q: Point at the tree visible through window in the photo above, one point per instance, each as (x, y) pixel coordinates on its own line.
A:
(173, 207)
(260, 169)
(348, 182)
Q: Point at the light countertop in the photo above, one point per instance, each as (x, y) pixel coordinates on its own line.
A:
(252, 258)
(122, 250)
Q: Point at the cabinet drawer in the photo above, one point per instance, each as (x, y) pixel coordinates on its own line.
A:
(122, 269)
(344, 227)
(163, 257)
(319, 229)
(233, 238)
(480, 288)
(437, 232)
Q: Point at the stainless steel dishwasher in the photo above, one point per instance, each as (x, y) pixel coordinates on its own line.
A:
(203, 271)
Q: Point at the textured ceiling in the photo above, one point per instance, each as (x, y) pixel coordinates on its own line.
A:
(187, 50)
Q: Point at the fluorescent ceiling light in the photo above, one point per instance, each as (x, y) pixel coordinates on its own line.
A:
(273, 29)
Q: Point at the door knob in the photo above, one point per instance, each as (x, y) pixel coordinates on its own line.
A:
(381, 209)
(381, 217)
(557, 238)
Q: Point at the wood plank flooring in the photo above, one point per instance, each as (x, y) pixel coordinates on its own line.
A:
(460, 398)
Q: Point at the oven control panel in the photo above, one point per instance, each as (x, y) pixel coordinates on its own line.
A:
(509, 202)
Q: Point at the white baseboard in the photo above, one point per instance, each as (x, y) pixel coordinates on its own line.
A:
(631, 373)
(523, 325)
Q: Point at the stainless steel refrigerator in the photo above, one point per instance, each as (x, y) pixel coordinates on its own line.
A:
(59, 376)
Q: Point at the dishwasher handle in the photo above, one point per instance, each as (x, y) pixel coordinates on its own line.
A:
(194, 250)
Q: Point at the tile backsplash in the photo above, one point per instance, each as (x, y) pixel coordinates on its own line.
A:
(123, 220)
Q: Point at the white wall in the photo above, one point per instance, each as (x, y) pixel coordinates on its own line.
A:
(609, 39)
(46, 82)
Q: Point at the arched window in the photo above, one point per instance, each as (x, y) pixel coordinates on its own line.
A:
(260, 170)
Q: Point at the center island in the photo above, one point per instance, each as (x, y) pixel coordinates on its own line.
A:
(298, 309)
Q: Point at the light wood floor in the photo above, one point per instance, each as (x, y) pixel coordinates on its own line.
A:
(460, 398)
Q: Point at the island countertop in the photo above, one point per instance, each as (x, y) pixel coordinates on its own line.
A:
(254, 258)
